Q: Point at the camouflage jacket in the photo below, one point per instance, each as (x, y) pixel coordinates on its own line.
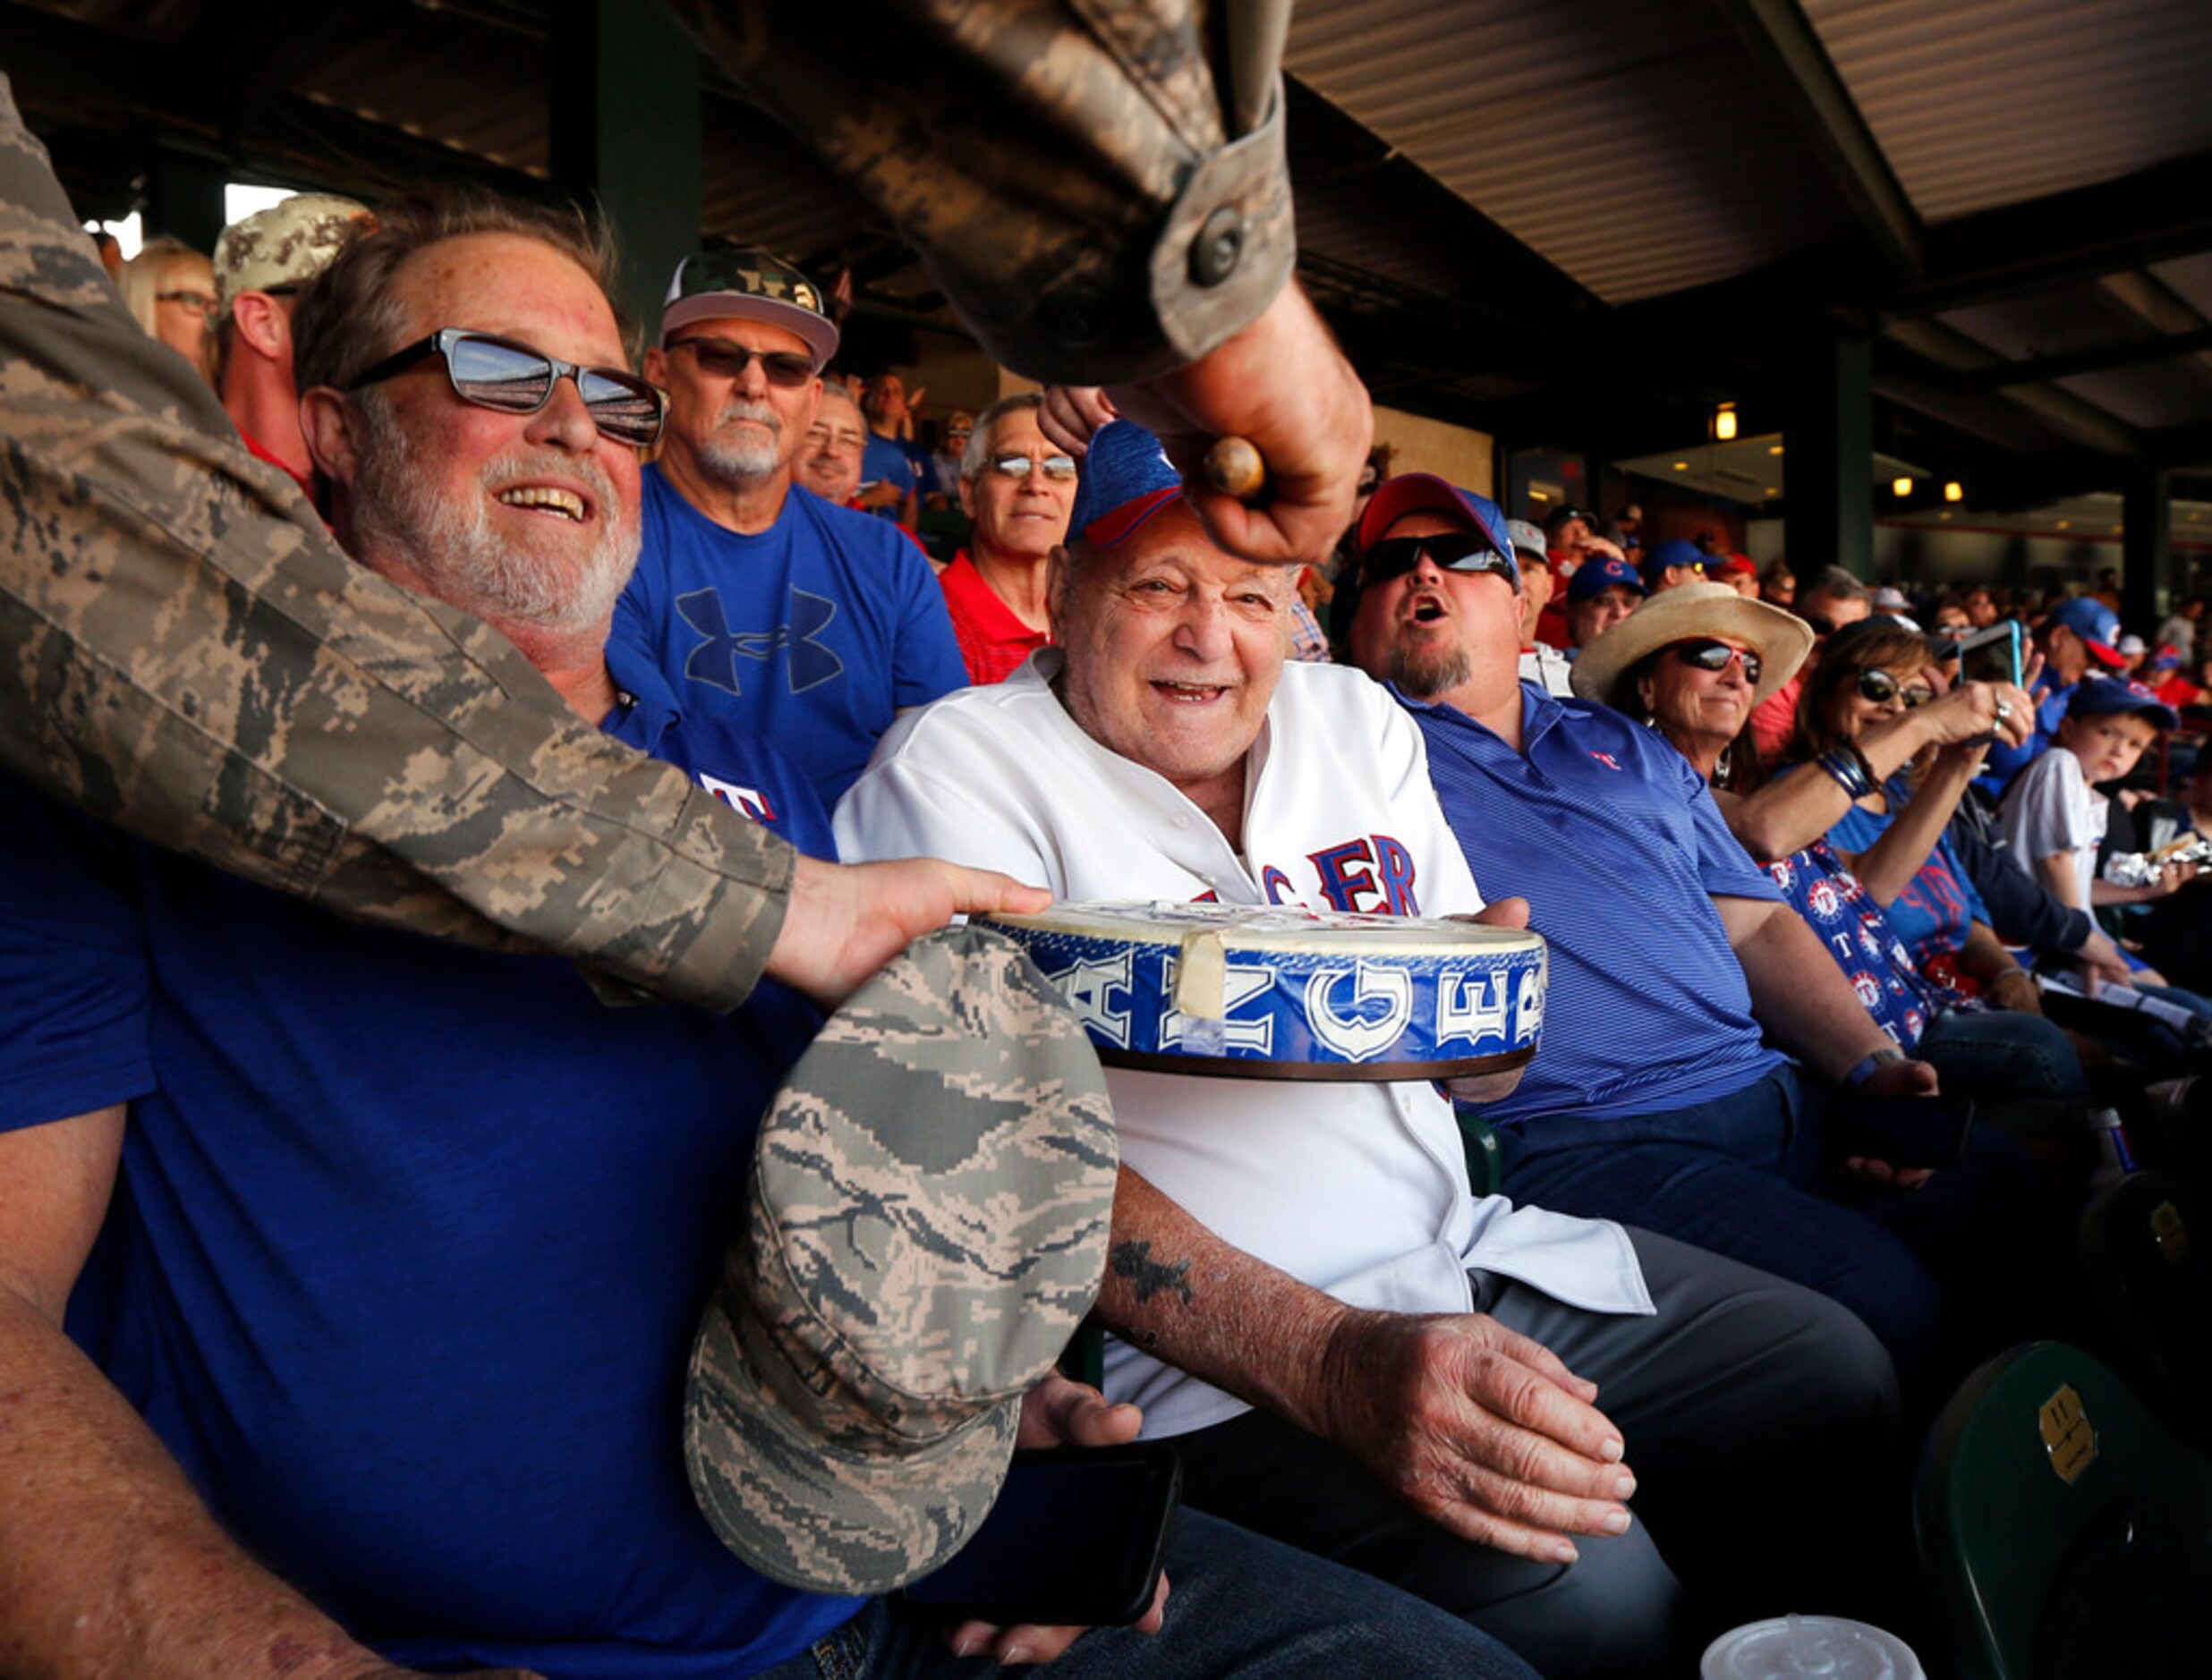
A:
(185, 653)
(1066, 168)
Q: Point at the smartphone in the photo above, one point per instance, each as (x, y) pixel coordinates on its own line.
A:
(1992, 655)
(1903, 1130)
(1077, 1539)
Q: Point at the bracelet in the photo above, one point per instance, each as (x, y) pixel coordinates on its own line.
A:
(1866, 770)
(1846, 773)
(1864, 1069)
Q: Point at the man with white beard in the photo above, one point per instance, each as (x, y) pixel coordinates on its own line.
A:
(814, 626)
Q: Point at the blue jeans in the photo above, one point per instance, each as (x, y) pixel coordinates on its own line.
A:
(1748, 1176)
(2002, 1052)
(1237, 1604)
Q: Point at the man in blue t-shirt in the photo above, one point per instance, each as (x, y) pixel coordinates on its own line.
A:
(394, 1248)
(813, 625)
(1653, 1099)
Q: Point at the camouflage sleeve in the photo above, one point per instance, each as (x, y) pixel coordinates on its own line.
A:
(186, 654)
(1066, 167)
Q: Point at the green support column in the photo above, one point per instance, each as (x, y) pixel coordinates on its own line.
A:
(1828, 470)
(184, 197)
(627, 136)
(2147, 557)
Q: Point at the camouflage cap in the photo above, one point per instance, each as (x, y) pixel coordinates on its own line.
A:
(931, 1194)
(288, 244)
(751, 285)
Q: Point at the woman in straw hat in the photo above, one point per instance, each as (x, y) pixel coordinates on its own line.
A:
(1694, 662)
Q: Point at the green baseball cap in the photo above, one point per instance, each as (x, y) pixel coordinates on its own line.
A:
(932, 1194)
(750, 285)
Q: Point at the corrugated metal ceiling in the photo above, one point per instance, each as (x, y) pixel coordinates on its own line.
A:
(1617, 142)
(1983, 103)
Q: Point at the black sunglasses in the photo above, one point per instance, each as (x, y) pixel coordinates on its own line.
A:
(1879, 688)
(1715, 656)
(1453, 551)
(1019, 467)
(725, 361)
(499, 373)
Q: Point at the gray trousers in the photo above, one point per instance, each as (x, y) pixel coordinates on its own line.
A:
(1760, 1419)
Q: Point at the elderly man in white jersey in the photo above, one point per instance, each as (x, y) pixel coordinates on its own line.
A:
(1358, 1355)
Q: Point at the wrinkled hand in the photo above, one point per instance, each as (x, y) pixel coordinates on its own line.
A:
(1282, 384)
(845, 922)
(1058, 1412)
(1482, 1431)
(2014, 989)
(1901, 1079)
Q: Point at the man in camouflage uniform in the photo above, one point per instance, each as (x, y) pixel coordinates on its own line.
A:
(276, 749)
(407, 1234)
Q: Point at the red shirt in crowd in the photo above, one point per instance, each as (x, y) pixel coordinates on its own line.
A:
(993, 640)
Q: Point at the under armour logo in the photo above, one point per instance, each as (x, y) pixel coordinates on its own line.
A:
(713, 660)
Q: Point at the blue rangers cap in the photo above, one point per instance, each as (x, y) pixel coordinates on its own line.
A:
(1426, 493)
(1127, 479)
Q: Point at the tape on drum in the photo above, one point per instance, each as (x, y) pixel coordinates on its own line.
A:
(1282, 992)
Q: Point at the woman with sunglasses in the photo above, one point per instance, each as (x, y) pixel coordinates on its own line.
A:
(1693, 663)
(1871, 676)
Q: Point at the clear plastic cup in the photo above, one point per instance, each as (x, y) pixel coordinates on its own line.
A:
(1809, 1648)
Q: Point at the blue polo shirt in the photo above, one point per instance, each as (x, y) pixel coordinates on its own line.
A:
(813, 635)
(1614, 840)
(409, 1240)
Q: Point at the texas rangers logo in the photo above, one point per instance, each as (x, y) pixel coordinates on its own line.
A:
(1783, 872)
(1089, 988)
(713, 658)
(1821, 897)
(1359, 1037)
(1871, 943)
(1869, 992)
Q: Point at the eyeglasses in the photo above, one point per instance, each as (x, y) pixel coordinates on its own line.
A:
(1879, 688)
(512, 378)
(1059, 468)
(198, 302)
(722, 360)
(1452, 551)
(1716, 655)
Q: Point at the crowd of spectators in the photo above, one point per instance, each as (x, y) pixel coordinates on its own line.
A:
(1810, 874)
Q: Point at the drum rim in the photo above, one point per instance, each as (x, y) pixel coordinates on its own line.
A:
(1328, 1073)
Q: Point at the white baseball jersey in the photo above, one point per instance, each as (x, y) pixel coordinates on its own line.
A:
(1359, 1189)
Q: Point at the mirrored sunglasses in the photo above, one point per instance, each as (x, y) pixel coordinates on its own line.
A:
(721, 360)
(1451, 551)
(502, 374)
(1879, 688)
(1715, 656)
(1058, 468)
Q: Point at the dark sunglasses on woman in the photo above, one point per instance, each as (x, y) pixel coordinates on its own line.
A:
(1879, 688)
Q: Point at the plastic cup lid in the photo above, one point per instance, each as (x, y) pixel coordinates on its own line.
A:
(1809, 1648)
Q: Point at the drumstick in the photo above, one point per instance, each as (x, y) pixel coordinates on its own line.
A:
(1234, 468)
